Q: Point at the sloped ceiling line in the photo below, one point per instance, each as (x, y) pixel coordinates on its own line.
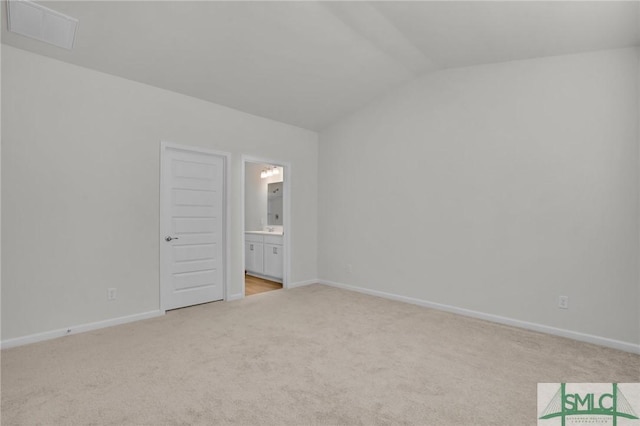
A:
(312, 63)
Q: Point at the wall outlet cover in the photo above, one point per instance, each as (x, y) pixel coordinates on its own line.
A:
(563, 302)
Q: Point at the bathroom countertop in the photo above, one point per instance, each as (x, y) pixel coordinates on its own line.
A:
(264, 233)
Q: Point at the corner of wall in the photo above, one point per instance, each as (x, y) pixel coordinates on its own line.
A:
(638, 167)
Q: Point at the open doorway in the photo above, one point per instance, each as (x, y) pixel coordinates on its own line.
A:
(265, 226)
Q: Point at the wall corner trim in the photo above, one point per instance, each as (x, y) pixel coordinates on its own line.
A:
(233, 297)
(582, 337)
(75, 329)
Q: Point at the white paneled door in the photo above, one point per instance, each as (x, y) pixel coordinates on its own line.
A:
(192, 227)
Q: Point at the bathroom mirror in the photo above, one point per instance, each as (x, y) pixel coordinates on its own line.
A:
(274, 204)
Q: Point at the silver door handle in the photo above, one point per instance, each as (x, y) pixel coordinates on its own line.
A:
(275, 250)
(171, 238)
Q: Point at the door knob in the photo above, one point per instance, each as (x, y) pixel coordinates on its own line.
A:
(171, 238)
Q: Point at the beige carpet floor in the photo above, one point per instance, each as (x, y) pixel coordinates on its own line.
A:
(313, 355)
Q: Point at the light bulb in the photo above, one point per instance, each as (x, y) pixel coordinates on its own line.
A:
(276, 171)
(263, 174)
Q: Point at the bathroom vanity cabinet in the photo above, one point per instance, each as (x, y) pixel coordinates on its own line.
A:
(263, 255)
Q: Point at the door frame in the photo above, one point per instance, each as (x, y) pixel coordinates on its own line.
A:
(286, 208)
(226, 213)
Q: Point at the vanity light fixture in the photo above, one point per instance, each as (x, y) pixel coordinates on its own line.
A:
(268, 172)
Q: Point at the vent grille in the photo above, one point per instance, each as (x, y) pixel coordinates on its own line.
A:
(41, 23)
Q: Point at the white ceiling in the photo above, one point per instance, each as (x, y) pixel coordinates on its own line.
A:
(310, 63)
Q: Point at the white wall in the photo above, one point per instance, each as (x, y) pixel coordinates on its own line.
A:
(494, 188)
(80, 178)
(255, 195)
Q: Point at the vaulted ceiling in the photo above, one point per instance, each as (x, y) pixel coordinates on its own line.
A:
(310, 63)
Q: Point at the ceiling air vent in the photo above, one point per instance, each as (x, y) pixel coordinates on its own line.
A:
(39, 22)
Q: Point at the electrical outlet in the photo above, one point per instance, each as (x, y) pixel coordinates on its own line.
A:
(111, 294)
(563, 302)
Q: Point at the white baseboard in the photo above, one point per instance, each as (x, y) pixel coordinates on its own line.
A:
(75, 329)
(588, 338)
(302, 283)
(233, 297)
